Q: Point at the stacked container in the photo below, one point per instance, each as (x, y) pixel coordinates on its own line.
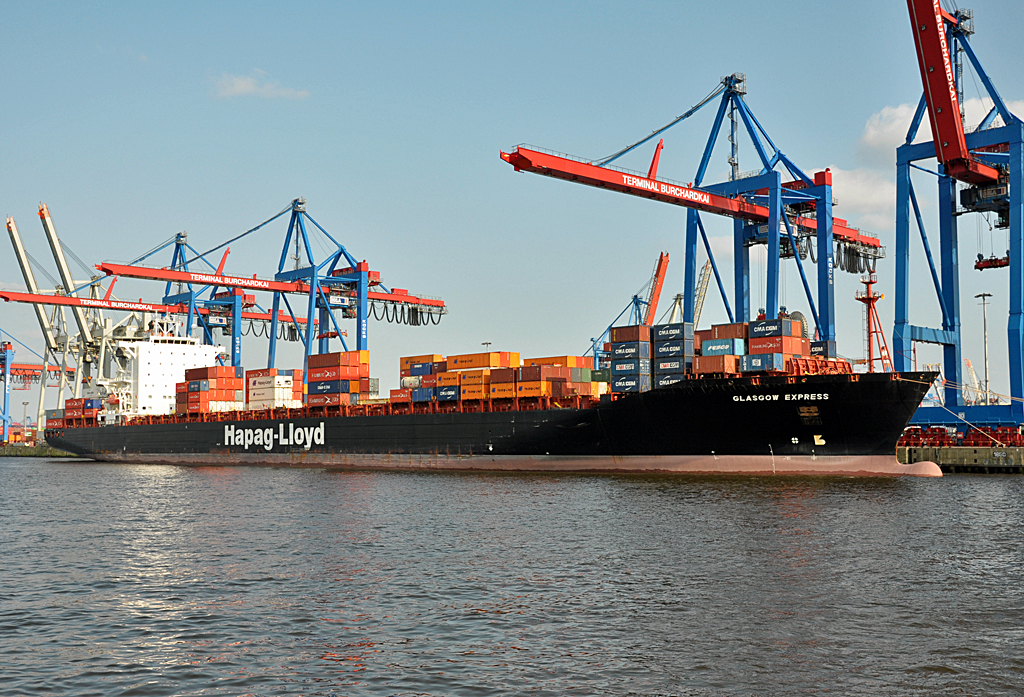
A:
(720, 349)
(81, 409)
(672, 352)
(216, 388)
(54, 418)
(772, 343)
(631, 358)
(338, 378)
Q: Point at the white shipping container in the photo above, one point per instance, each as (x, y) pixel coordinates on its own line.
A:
(260, 394)
(275, 404)
(270, 381)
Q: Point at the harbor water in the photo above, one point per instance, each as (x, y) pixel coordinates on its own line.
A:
(153, 580)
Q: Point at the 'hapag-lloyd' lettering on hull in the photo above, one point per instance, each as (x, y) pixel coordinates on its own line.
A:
(285, 435)
(667, 189)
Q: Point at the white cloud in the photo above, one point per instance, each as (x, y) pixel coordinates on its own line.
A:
(229, 86)
(886, 130)
(867, 197)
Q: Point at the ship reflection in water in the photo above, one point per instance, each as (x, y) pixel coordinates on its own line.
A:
(164, 580)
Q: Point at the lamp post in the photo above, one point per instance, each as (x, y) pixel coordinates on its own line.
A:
(984, 319)
(24, 421)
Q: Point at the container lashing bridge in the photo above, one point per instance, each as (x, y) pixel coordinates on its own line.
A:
(985, 166)
(793, 217)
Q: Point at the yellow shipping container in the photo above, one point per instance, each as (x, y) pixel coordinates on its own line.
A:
(503, 390)
(449, 379)
(541, 388)
(474, 391)
(476, 377)
(566, 361)
(407, 361)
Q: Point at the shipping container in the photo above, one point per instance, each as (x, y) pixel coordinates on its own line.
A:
(663, 366)
(421, 369)
(502, 390)
(775, 327)
(411, 382)
(825, 349)
(635, 366)
(667, 380)
(407, 361)
(449, 379)
(492, 359)
(336, 372)
(55, 422)
(54, 413)
(477, 377)
(673, 349)
(480, 391)
(447, 393)
(631, 383)
(722, 347)
(334, 386)
(540, 388)
(763, 362)
(342, 358)
(261, 394)
(271, 381)
(603, 375)
(581, 374)
(736, 330)
(328, 400)
(632, 349)
(670, 332)
(564, 361)
(423, 394)
(534, 373)
(401, 395)
(198, 385)
(701, 336)
(425, 381)
(503, 375)
(621, 335)
(716, 364)
(779, 344)
(374, 387)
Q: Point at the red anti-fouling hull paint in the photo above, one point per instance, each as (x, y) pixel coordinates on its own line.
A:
(836, 424)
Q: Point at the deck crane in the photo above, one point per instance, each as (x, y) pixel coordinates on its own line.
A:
(980, 171)
(764, 207)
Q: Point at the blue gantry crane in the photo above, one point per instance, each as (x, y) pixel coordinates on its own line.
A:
(985, 167)
(793, 217)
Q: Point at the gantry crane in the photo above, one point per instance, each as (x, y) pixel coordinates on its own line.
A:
(765, 208)
(981, 171)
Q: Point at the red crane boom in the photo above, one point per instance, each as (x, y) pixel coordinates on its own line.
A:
(660, 269)
(560, 167)
(928, 21)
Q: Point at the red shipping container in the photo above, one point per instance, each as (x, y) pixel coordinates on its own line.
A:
(181, 398)
(180, 387)
(737, 330)
(55, 423)
(401, 395)
(702, 335)
(364, 383)
(90, 413)
(776, 344)
(536, 373)
(716, 364)
(405, 373)
(75, 413)
(328, 400)
(440, 367)
(74, 403)
(620, 335)
(425, 381)
(499, 375)
(335, 372)
(263, 373)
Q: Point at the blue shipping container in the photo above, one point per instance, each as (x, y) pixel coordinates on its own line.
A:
(826, 349)
(634, 349)
(421, 369)
(668, 332)
(199, 386)
(423, 394)
(631, 383)
(665, 366)
(761, 362)
(671, 349)
(667, 380)
(92, 404)
(448, 393)
(634, 366)
(329, 387)
(771, 327)
(722, 347)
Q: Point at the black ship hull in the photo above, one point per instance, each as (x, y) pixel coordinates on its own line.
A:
(826, 424)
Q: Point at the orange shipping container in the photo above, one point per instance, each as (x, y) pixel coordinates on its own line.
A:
(493, 359)
(716, 364)
(534, 389)
(449, 379)
(401, 395)
(503, 390)
(475, 391)
(180, 387)
(405, 363)
(336, 372)
(350, 358)
(476, 377)
(565, 361)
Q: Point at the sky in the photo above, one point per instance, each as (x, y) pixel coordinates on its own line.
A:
(135, 122)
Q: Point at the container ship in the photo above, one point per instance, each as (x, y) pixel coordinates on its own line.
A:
(754, 398)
